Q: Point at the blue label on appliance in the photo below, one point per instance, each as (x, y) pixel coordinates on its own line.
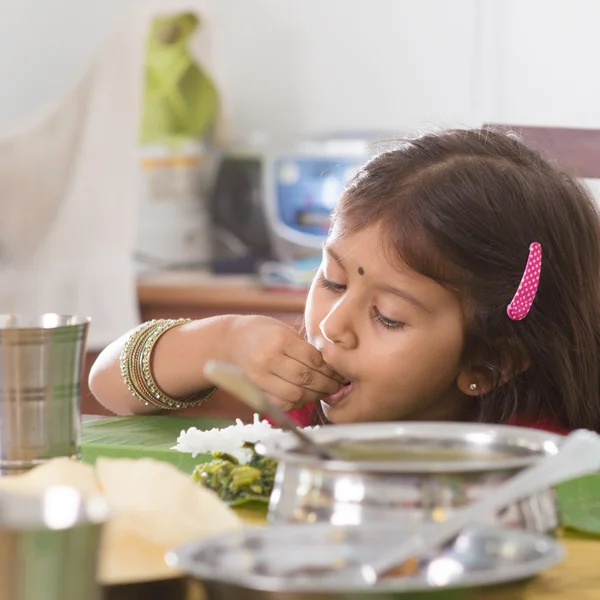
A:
(307, 189)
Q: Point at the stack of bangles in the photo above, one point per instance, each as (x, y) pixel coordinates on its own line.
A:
(137, 373)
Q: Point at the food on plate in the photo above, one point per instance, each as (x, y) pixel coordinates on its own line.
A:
(399, 450)
(153, 508)
(237, 483)
(156, 492)
(58, 471)
(230, 439)
(408, 568)
(237, 474)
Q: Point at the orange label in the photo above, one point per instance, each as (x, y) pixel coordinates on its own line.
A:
(171, 161)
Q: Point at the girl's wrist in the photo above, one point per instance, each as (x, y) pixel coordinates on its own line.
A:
(223, 338)
(180, 355)
(207, 339)
(227, 338)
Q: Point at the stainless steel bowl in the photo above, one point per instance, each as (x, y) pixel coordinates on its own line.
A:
(287, 562)
(408, 472)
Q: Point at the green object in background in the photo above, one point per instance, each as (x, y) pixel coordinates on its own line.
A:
(143, 437)
(181, 100)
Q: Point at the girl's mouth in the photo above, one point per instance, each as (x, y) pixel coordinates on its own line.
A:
(342, 393)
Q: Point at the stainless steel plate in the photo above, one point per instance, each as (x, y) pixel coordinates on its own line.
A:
(288, 559)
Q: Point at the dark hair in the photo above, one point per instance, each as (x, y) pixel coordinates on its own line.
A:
(463, 207)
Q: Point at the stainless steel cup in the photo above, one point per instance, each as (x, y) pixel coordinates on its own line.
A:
(49, 546)
(41, 360)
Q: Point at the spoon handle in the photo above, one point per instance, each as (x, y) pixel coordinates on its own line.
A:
(578, 455)
(233, 380)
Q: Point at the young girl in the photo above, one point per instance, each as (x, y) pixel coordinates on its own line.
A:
(426, 305)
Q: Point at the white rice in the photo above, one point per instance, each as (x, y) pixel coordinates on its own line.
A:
(229, 439)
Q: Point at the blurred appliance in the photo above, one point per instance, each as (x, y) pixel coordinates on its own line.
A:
(274, 203)
(174, 223)
(240, 232)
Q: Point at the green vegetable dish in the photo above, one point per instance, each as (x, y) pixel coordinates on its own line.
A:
(235, 483)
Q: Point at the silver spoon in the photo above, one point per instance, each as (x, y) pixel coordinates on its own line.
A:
(233, 380)
(579, 455)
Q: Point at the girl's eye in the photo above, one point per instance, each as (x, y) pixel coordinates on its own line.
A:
(331, 286)
(387, 323)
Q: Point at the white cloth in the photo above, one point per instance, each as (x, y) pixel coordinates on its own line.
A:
(69, 187)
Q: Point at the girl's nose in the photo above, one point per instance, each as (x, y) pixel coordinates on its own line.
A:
(337, 327)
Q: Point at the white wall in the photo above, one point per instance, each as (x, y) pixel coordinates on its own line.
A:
(284, 66)
(287, 66)
(332, 64)
(545, 62)
(45, 46)
(313, 65)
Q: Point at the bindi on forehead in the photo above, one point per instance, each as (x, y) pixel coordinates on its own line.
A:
(361, 271)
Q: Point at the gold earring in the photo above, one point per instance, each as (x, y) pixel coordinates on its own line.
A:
(473, 387)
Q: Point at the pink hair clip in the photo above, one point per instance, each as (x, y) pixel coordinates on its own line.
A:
(521, 303)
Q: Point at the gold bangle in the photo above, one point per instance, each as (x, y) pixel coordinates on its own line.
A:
(131, 364)
(156, 395)
(137, 374)
(135, 366)
(151, 387)
(127, 361)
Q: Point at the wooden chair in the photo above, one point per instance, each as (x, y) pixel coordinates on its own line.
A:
(574, 150)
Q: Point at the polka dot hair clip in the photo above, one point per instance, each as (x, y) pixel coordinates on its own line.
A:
(523, 299)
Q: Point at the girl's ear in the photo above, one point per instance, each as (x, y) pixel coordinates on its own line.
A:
(480, 376)
(472, 381)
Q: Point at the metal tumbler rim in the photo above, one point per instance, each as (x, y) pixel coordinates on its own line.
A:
(50, 320)
(57, 507)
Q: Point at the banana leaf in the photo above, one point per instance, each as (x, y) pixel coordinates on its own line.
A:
(579, 504)
(143, 437)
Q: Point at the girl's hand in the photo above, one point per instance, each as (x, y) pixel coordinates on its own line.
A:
(277, 359)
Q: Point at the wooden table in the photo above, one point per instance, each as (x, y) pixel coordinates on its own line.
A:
(576, 578)
(197, 295)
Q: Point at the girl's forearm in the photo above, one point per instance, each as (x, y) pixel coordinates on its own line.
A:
(177, 364)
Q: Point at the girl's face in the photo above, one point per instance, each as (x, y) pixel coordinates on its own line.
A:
(396, 335)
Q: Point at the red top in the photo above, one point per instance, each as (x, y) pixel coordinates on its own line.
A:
(543, 424)
(303, 416)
